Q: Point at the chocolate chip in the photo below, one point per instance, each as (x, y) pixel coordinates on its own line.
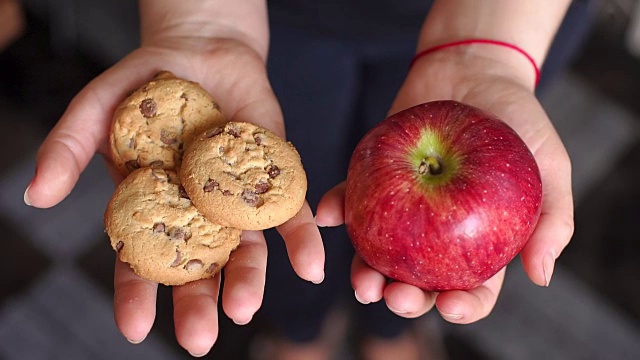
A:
(176, 262)
(132, 165)
(213, 132)
(132, 143)
(262, 187)
(179, 233)
(258, 139)
(183, 192)
(159, 228)
(233, 131)
(226, 193)
(273, 171)
(213, 268)
(119, 246)
(156, 163)
(167, 137)
(148, 108)
(251, 198)
(193, 265)
(210, 185)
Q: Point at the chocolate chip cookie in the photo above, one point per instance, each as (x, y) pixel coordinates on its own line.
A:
(154, 227)
(244, 176)
(154, 124)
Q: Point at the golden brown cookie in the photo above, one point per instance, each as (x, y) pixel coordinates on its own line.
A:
(156, 230)
(154, 124)
(244, 176)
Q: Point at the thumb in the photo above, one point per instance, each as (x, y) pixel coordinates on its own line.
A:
(81, 131)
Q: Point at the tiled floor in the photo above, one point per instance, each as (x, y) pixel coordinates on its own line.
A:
(55, 298)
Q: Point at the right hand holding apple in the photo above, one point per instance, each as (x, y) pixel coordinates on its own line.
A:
(499, 89)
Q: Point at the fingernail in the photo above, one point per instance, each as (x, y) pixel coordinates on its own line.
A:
(26, 196)
(240, 322)
(548, 264)
(360, 300)
(315, 219)
(452, 316)
(319, 281)
(399, 312)
(198, 355)
(136, 342)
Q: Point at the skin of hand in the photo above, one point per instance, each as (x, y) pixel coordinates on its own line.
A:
(499, 81)
(235, 75)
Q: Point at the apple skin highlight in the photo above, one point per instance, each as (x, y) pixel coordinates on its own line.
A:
(441, 196)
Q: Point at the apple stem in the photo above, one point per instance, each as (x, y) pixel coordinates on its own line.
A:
(430, 165)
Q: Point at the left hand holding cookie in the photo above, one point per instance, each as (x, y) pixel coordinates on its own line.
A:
(229, 62)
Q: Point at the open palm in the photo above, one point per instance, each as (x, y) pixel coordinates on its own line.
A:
(513, 101)
(235, 76)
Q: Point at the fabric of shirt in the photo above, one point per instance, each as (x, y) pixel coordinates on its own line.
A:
(353, 18)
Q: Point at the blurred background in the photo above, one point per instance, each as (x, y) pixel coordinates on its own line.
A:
(56, 290)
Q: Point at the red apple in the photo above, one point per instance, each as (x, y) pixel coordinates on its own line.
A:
(441, 196)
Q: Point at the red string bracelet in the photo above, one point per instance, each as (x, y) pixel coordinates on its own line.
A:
(479, 41)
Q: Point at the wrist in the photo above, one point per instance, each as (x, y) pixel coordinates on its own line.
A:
(529, 24)
(477, 58)
(456, 74)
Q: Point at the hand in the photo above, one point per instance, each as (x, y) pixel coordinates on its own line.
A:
(235, 76)
(505, 89)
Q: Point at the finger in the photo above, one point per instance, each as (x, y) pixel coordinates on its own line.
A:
(195, 315)
(367, 283)
(82, 129)
(244, 278)
(407, 300)
(555, 226)
(331, 207)
(464, 307)
(134, 303)
(304, 245)
(65, 152)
